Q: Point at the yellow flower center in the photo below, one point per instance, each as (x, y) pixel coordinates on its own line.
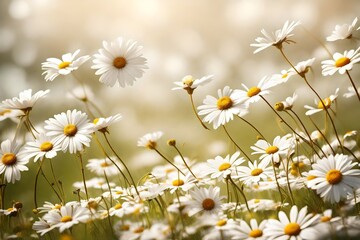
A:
(70, 130)
(310, 177)
(8, 159)
(139, 230)
(224, 166)
(294, 172)
(284, 75)
(105, 164)
(327, 103)
(119, 62)
(151, 145)
(325, 219)
(255, 233)
(342, 62)
(292, 229)
(57, 206)
(46, 146)
(256, 200)
(66, 237)
(66, 219)
(224, 103)
(96, 120)
(10, 209)
(333, 176)
(221, 223)
(63, 65)
(253, 91)
(208, 204)
(188, 80)
(93, 204)
(177, 182)
(256, 172)
(119, 192)
(2, 113)
(117, 206)
(271, 149)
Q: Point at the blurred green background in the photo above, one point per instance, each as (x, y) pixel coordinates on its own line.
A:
(179, 38)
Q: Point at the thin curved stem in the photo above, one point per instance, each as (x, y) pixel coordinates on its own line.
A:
(251, 125)
(196, 114)
(83, 175)
(182, 157)
(172, 164)
(353, 84)
(232, 140)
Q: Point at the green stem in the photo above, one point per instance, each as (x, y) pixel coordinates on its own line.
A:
(232, 140)
(353, 84)
(172, 164)
(83, 175)
(196, 114)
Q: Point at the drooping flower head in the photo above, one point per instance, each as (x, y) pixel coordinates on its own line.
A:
(321, 105)
(25, 101)
(119, 62)
(189, 84)
(54, 67)
(344, 31)
(275, 39)
(149, 140)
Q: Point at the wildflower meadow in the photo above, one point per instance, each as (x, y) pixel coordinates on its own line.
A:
(293, 173)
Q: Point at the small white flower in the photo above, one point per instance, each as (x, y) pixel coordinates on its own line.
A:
(67, 216)
(119, 62)
(13, 161)
(303, 67)
(223, 167)
(43, 146)
(321, 105)
(96, 182)
(334, 177)
(351, 92)
(341, 62)
(344, 31)
(289, 102)
(282, 77)
(244, 231)
(42, 227)
(25, 101)
(275, 151)
(189, 84)
(71, 130)
(300, 225)
(101, 124)
(253, 94)
(275, 39)
(54, 67)
(10, 114)
(254, 172)
(220, 111)
(179, 182)
(149, 140)
(103, 166)
(204, 200)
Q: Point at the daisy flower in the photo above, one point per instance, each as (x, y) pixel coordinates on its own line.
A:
(245, 231)
(189, 84)
(287, 104)
(119, 62)
(42, 227)
(96, 182)
(176, 181)
(204, 200)
(220, 111)
(258, 204)
(71, 130)
(275, 39)
(321, 105)
(13, 161)
(10, 114)
(334, 177)
(103, 166)
(251, 95)
(282, 77)
(43, 146)
(223, 167)
(303, 67)
(25, 101)
(67, 216)
(344, 31)
(341, 62)
(53, 67)
(300, 225)
(116, 193)
(275, 151)
(351, 92)
(82, 93)
(101, 124)
(149, 140)
(254, 172)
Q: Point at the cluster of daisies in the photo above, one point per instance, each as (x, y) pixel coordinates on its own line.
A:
(304, 184)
